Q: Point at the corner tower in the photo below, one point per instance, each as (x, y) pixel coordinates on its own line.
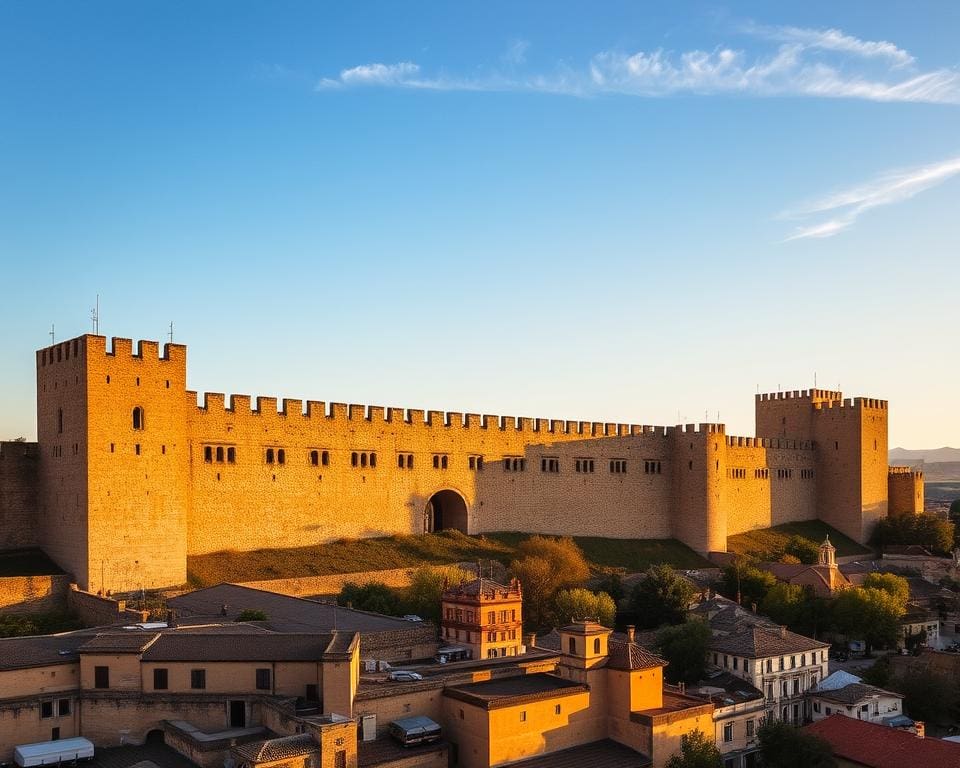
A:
(850, 437)
(114, 461)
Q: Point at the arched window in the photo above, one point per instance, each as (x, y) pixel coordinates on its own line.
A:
(314, 458)
(138, 418)
(231, 455)
(363, 459)
(207, 453)
(269, 455)
(220, 453)
(281, 456)
(325, 458)
(572, 645)
(373, 459)
(596, 645)
(353, 459)
(60, 421)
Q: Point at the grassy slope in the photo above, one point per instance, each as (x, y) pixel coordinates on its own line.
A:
(761, 542)
(351, 555)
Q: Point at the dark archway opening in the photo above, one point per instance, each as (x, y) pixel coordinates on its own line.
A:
(445, 510)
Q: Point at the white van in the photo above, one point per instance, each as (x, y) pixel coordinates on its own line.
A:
(53, 752)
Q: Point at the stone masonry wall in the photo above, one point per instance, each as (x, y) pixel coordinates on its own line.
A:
(33, 594)
(122, 505)
(19, 488)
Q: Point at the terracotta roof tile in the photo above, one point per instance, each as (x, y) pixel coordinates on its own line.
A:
(625, 655)
(277, 749)
(880, 746)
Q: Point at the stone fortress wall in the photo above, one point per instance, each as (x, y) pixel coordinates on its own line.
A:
(135, 474)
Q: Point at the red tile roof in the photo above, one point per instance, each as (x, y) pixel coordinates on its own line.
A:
(880, 746)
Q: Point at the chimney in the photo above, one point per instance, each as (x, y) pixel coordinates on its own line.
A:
(921, 728)
(171, 618)
(783, 630)
(530, 640)
(631, 632)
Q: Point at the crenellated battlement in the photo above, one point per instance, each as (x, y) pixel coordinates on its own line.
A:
(769, 442)
(916, 474)
(859, 403)
(802, 394)
(292, 408)
(120, 348)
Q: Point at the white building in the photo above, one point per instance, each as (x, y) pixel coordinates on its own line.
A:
(844, 694)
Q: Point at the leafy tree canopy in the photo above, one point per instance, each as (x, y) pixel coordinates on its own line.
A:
(662, 597)
(923, 529)
(251, 614)
(373, 596)
(696, 751)
(685, 647)
(750, 582)
(897, 586)
(784, 746)
(427, 584)
(544, 566)
(870, 614)
(579, 603)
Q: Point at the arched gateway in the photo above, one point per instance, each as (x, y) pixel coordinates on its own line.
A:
(445, 509)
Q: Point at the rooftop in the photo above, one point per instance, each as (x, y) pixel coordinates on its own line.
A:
(880, 746)
(284, 613)
(194, 646)
(283, 748)
(597, 754)
(483, 588)
(626, 655)
(386, 750)
(757, 642)
(42, 650)
(725, 689)
(853, 693)
(494, 694)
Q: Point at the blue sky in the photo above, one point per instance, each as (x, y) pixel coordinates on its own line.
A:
(621, 211)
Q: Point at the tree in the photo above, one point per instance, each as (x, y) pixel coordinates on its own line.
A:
(426, 586)
(878, 673)
(954, 517)
(927, 695)
(251, 614)
(696, 751)
(869, 614)
(373, 596)
(923, 529)
(612, 584)
(579, 603)
(662, 597)
(897, 586)
(544, 566)
(784, 746)
(803, 549)
(684, 646)
(797, 607)
(750, 582)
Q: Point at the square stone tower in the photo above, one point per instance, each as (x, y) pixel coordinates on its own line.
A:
(111, 427)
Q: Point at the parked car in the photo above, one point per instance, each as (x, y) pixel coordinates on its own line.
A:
(411, 731)
(411, 617)
(404, 676)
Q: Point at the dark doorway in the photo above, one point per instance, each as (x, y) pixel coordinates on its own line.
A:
(446, 509)
(238, 714)
(313, 693)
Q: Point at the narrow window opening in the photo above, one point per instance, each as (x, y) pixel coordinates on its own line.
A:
(220, 454)
(281, 456)
(138, 418)
(138, 449)
(60, 421)
(269, 455)
(325, 458)
(231, 455)
(314, 458)
(207, 454)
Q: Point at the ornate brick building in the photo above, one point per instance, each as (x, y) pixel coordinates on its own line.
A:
(131, 474)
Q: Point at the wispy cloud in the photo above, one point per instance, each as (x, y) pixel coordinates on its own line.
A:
(839, 210)
(832, 40)
(806, 62)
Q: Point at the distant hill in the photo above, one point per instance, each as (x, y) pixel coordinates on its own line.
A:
(926, 455)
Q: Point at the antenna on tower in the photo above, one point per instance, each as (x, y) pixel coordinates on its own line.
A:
(95, 317)
(170, 332)
(814, 379)
(53, 338)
